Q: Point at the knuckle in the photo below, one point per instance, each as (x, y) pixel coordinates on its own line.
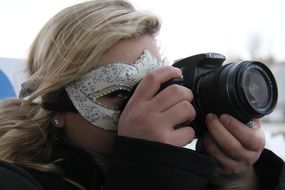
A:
(185, 106)
(250, 141)
(188, 107)
(255, 141)
(177, 89)
(151, 77)
(249, 159)
(233, 147)
(255, 145)
(182, 91)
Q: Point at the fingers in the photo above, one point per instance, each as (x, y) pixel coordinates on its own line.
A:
(229, 139)
(235, 133)
(251, 138)
(223, 137)
(182, 136)
(171, 95)
(181, 112)
(150, 84)
(235, 146)
(257, 124)
(227, 165)
(153, 116)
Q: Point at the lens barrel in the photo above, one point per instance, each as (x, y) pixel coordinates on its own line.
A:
(246, 90)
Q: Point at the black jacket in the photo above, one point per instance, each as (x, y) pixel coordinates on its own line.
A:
(134, 165)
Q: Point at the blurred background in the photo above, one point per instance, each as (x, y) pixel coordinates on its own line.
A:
(238, 29)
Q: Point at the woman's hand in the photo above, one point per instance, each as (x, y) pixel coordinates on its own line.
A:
(150, 115)
(236, 147)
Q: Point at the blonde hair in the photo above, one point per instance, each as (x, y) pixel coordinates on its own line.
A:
(66, 48)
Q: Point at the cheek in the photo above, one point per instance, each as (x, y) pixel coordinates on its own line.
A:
(81, 132)
(78, 129)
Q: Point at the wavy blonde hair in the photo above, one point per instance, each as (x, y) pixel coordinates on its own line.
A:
(66, 48)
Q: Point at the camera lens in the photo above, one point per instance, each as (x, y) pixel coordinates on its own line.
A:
(256, 88)
(245, 90)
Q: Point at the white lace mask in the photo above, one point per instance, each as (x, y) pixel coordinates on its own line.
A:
(85, 92)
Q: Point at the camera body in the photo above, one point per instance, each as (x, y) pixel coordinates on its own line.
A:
(246, 90)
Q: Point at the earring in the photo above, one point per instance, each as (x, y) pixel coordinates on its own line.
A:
(58, 121)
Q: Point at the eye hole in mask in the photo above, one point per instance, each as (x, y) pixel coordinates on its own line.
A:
(115, 99)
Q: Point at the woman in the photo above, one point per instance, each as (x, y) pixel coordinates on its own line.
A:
(67, 130)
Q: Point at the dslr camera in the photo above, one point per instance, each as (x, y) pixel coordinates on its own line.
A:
(246, 90)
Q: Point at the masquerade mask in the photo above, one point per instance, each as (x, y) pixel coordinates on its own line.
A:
(86, 92)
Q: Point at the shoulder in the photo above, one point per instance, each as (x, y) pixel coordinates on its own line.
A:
(51, 181)
(79, 171)
(15, 177)
(77, 166)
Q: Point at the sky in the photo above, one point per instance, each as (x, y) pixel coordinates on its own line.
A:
(188, 26)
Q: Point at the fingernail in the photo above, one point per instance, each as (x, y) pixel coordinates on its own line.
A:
(225, 119)
(251, 124)
(178, 70)
(211, 117)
